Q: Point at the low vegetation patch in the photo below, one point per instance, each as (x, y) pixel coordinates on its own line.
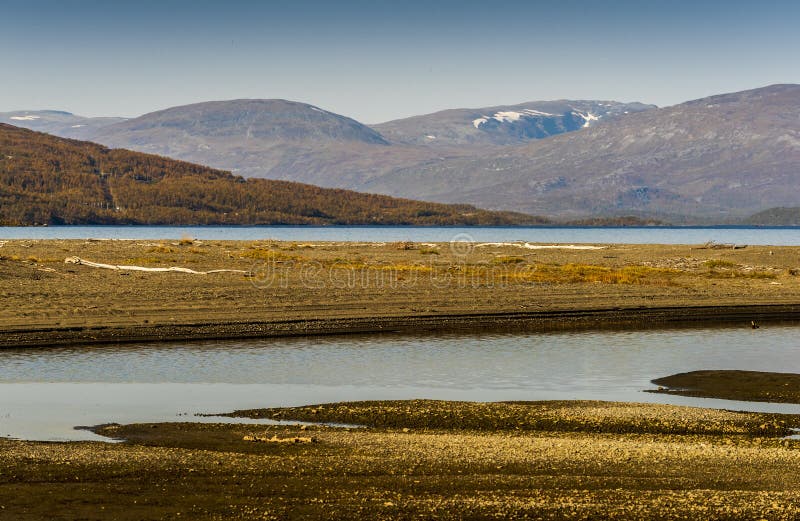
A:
(161, 248)
(717, 263)
(722, 269)
(741, 274)
(507, 259)
(269, 255)
(563, 274)
(588, 273)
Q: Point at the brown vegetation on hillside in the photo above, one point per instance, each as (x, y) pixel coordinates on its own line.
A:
(50, 180)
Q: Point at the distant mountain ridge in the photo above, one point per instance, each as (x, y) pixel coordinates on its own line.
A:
(251, 118)
(277, 139)
(57, 122)
(504, 125)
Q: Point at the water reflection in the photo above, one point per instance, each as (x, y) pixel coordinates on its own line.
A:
(45, 392)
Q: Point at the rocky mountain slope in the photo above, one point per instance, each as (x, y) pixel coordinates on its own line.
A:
(504, 125)
(716, 159)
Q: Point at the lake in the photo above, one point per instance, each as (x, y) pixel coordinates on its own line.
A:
(45, 392)
(779, 236)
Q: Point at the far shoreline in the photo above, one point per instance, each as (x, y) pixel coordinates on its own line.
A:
(423, 226)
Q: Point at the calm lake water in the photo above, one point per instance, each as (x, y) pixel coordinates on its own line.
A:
(44, 393)
(785, 236)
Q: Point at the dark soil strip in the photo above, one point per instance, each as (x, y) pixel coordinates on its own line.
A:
(751, 386)
(613, 318)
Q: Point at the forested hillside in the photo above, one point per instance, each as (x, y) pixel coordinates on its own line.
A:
(775, 217)
(50, 180)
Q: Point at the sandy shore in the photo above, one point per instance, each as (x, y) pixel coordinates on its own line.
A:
(421, 460)
(285, 288)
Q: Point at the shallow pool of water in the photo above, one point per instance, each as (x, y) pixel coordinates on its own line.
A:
(45, 393)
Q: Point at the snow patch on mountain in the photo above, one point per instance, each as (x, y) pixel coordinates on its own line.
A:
(24, 118)
(478, 122)
(588, 117)
(510, 116)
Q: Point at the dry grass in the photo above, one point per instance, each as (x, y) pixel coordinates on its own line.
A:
(567, 274)
(144, 261)
(722, 269)
(507, 259)
(717, 263)
(269, 255)
(588, 273)
(31, 258)
(391, 267)
(741, 275)
(161, 248)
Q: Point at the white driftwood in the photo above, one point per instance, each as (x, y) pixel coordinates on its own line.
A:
(83, 262)
(529, 246)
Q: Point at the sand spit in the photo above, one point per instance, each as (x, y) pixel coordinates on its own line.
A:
(421, 460)
(269, 288)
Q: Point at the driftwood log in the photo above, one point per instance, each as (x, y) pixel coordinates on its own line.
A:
(117, 267)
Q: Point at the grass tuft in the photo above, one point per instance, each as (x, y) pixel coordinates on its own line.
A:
(717, 263)
(507, 259)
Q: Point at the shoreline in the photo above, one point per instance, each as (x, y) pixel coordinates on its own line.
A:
(540, 321)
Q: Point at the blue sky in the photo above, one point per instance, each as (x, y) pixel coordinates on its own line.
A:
(378, 60)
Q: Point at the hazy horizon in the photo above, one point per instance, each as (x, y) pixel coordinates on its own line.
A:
(377, 61)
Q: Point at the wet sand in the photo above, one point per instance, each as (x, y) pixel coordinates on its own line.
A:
(289, 288)
(421, 460)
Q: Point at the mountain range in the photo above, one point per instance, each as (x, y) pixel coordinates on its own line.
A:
(280, 139)
(718, 159)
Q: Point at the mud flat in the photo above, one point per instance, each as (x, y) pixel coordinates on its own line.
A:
(286, 288)
(752, 386)
(420, 460)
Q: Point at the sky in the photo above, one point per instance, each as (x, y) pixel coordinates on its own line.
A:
(377, 60)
